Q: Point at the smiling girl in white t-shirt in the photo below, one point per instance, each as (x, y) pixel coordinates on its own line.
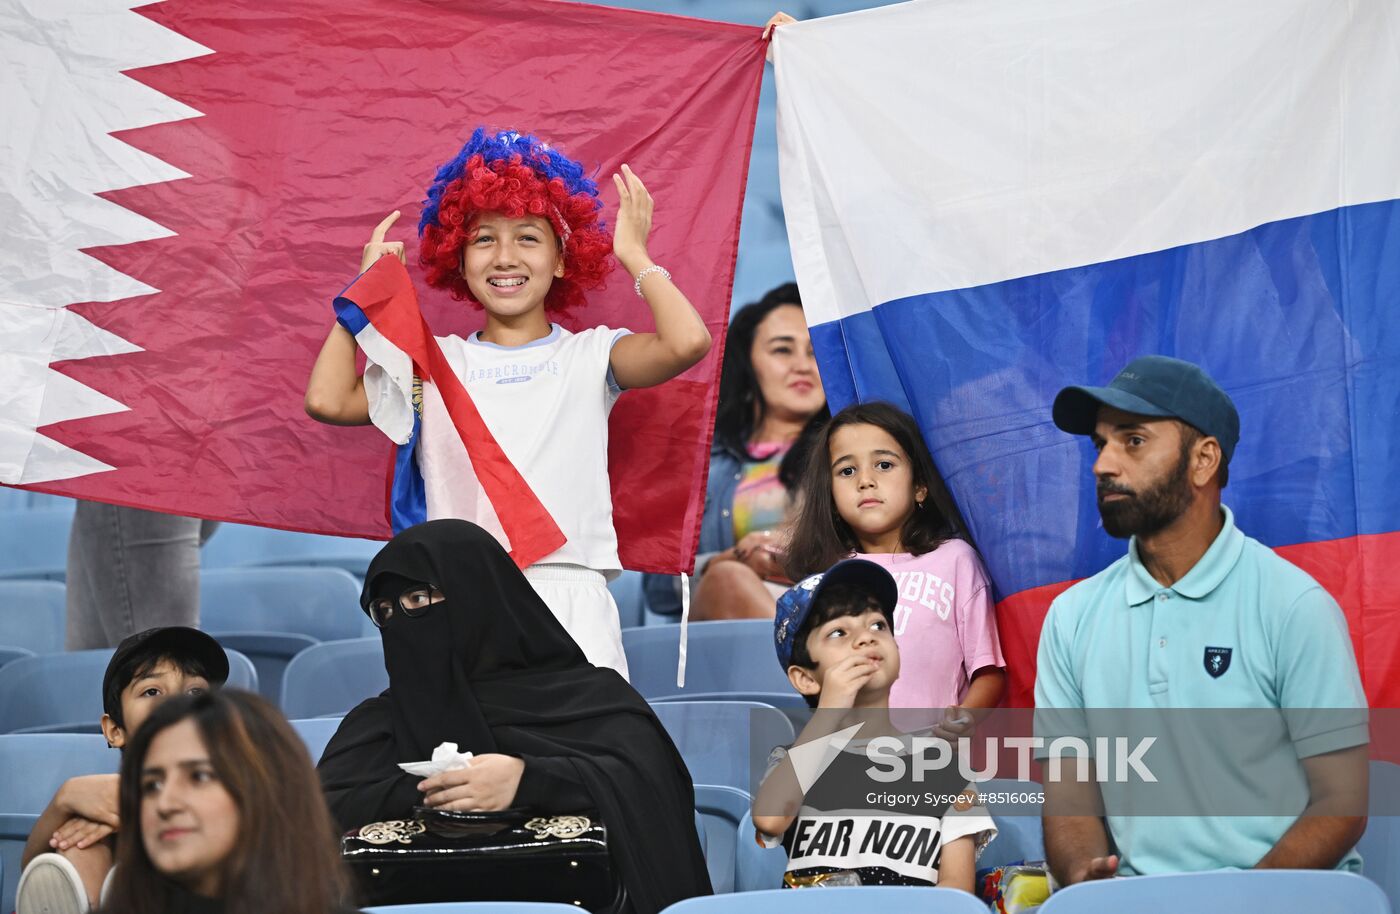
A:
(513, 226)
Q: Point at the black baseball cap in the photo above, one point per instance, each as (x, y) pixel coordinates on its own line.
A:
(172, 641)
(1155, 385)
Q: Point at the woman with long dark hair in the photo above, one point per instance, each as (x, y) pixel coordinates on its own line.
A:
(231, 817)
(769, 393)
(476, 658)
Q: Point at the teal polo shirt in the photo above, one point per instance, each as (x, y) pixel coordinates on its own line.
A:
(1244, 629)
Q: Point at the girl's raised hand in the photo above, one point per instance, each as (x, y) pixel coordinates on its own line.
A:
(633, 221)
(378, 247)
(778, 18)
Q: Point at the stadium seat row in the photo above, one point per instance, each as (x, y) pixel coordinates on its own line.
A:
(705, 732)
(314, 654)
(271, 614)
(722, 767)
(1279, 892)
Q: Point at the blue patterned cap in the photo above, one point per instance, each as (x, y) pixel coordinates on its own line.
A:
(796, 603)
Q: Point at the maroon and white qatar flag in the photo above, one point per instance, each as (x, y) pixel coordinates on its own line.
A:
(188, 186)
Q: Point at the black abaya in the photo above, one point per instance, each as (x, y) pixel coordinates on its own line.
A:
(491, 669)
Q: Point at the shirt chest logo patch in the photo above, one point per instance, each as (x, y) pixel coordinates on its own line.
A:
(1217, 660)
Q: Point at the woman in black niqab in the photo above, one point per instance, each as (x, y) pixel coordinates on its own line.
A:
(491, 669)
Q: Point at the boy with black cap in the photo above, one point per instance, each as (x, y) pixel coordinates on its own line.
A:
(1197, 615)
(69, 852)
(839, 822)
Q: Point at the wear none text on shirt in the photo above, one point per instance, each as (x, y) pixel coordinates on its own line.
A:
(895, 838)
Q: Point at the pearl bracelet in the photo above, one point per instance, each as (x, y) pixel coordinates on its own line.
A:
(654, 268)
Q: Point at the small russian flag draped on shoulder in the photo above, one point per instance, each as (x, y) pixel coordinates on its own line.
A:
(380, 309)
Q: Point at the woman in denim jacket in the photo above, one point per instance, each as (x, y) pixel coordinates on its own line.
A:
(769, 393)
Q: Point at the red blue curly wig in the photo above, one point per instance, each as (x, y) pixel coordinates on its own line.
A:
(516, 175)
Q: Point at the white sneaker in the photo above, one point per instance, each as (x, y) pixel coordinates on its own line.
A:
(51, 885)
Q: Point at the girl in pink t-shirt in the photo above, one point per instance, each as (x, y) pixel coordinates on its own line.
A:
(870, 488)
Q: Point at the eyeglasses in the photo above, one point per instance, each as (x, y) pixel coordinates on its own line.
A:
(413, 603)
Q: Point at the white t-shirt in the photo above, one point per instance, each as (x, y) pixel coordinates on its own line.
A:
(547, 404)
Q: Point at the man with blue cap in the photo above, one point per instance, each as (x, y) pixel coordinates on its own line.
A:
(1197, 615)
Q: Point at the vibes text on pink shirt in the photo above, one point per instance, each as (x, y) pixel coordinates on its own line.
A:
(945, 624)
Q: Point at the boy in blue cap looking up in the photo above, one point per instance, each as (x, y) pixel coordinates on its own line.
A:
(832, 635)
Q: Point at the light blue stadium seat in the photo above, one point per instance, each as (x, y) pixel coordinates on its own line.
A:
(42, 501)
(32, 615)
(12, 499)
(32, 768)
(722, 657)
(783, 701)
(322, 603)
(332, 677)
(240, 544)
(273, 614)
(269, 652)
(316, 732)
(34, 544)
(720, 740)
(62, 693)
(756, 868)
(9, 654)
(868, 899)
(651, 618)
(1019, 835)
(1380, 845)
(722, 808)
(626, 590)
(475, 907)
(37, 764)
(1274, 891)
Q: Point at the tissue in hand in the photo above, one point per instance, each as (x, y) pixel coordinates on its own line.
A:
(445, 758)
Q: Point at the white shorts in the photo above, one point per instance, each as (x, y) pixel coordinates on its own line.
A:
(580, 600)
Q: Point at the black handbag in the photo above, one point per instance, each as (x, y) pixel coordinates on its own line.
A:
(513, 855)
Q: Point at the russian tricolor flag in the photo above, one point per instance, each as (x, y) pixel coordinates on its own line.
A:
(987, 201)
